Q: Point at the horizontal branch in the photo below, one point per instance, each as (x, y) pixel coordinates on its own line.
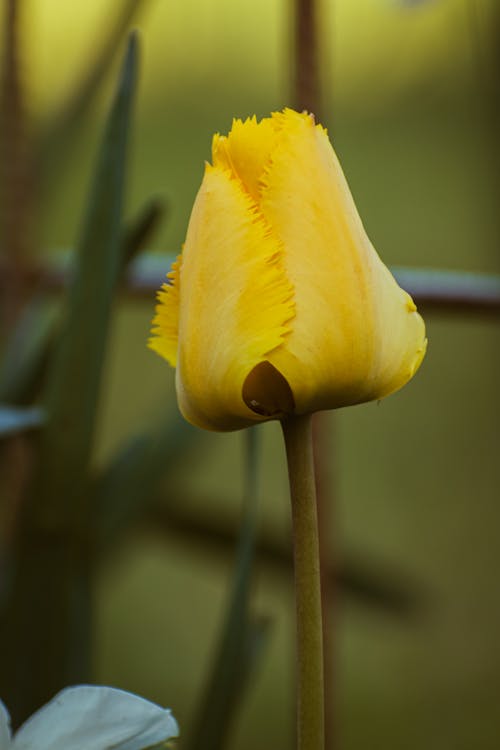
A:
(453, 291)
(434, 290)
(360, 578)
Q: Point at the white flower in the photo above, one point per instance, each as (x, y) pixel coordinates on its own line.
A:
(90, 717)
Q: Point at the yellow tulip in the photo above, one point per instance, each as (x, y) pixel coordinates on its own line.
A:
(279, 304)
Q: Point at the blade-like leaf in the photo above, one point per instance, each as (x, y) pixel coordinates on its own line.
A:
(14, 420)
(129, 486)
(75, 372)
(83, 92)
(26, 353)
(241, 636)
(139, 231)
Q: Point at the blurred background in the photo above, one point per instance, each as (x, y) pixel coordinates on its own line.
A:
(410, 96)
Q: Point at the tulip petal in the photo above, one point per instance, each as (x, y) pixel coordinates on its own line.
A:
(101, 718)
(166, 321)
(356, 335)
(247, 151)
(236, 303)
(4, 728)
(285, 305)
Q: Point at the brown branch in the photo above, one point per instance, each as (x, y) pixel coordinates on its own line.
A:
(358, 578)
(15, 173)
(451, 291)
(307, 95)
(438, 290)
(16, 187)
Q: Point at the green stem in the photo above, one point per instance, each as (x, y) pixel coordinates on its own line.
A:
(297, 432)
(229, 674)
(45, 623)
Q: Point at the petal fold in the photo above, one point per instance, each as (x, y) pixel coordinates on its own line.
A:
(247, 150)
(236, 304)
(355, 337)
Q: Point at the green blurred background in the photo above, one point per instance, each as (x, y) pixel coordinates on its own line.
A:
(409, 100)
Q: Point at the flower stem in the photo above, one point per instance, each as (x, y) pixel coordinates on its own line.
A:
(297, 432)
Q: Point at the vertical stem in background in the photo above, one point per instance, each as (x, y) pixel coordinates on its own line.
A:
(496, 103)
(297, 431)
(307, 95)
(307, 57)
(45, 627)
(15, 177)
(15, 205)
(483, 32)
(47, 613)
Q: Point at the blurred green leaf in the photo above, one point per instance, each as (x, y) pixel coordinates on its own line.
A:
(28, 348)
(84, 91)
(75, 369)
(26, 353)
(242, 635)
(15, 419)
(141, 228)
(127, 488)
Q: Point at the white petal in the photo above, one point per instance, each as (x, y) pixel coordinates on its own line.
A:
(4, 728)
(89, 717)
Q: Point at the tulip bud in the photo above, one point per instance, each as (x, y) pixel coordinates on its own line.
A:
(279, 303)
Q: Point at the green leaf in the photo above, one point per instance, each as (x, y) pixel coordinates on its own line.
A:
(128, 487)
(26, 353)
(14, 420)
(83, 92)
(242, 636)
(75, 370)
(138, 231)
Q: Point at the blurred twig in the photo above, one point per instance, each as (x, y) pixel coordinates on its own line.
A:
(16, 179)
(16, 186)
(307, 57)
(364, 582)
(14, 420)
(483, 26)
(437, 290)
(434, 290)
